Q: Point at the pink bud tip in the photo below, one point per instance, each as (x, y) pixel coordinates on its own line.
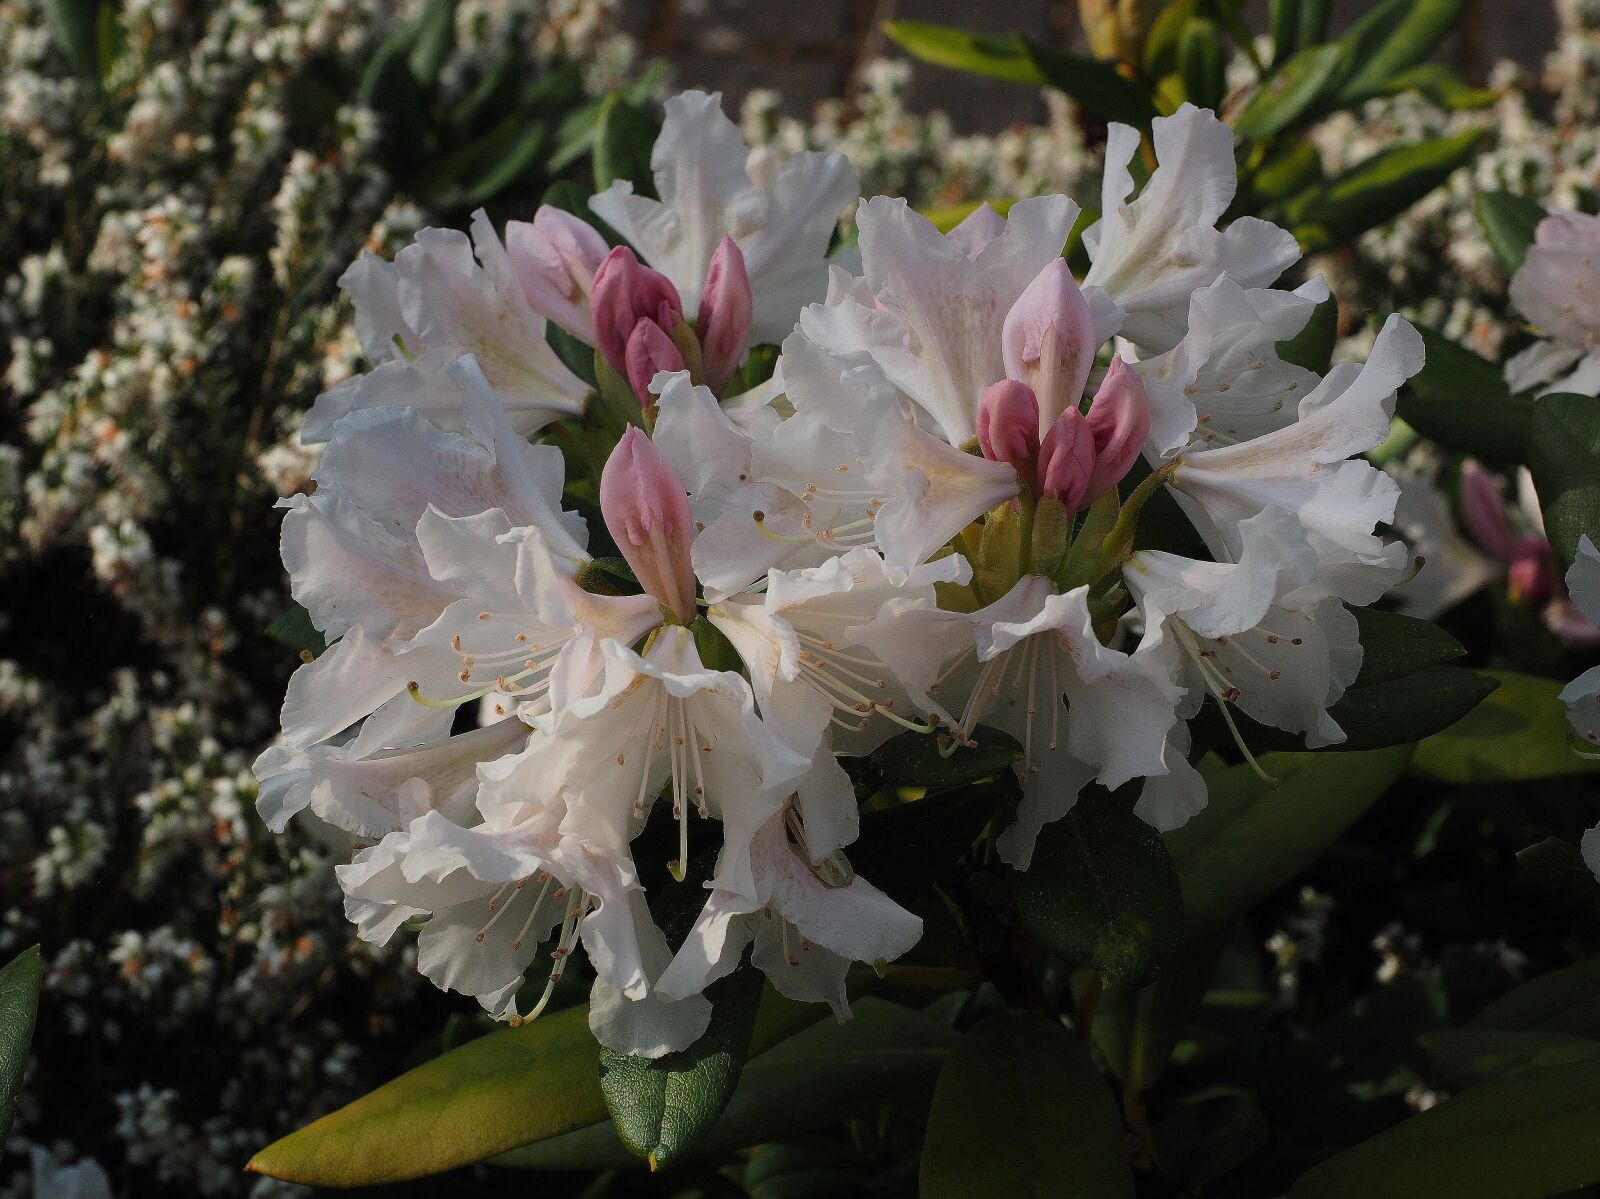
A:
(1067, 460)
(1120, 419)
(647, 511)
(625, 293)
(1483, 510)
(1048, 342)
(1532, 576)
(649, 351)
(726, 309)
(1008, 426)
(555, 260)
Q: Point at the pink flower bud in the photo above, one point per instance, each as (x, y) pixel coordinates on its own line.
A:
(1483, 511)
(723, 322)
(1067, 461)
(555, 260)
(1120, 419)
(1532, 576)
(647, 510)
(1008, 426)
(1048, 340)
(649, 351)
(625, 293)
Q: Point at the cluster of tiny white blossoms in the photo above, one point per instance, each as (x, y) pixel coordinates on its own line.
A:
(922, 521)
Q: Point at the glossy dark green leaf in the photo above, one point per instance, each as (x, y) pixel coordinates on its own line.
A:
(934, 761)
(1209, 1133)
(1137, 1028)
(1102, 890)
(1556, 869)
(74, 27)
(1096, 85)
(1509, 222)
(1518, 734)
(1288, 172)
(1440, 85)
(904, 848)
(389, 88)
(435, 35)
(20, 981)
(829, 1072)
(1312, 347)
(1564, 456)
(1461, 401)
(1560, 1001)
(1462, 1057)
(1526, 1135)
(1250, 839)
(1160, 52)
(292, 627)
(1296, 25)
(1203, 63)
(1290, 93)
(1394, 646)
(1376, 190)
(964, 50)
(623, 139)
(663, 1107)
(1020, 1110)
(1392, 36)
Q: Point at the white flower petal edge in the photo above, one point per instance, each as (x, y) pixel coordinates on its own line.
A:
(1582, 695)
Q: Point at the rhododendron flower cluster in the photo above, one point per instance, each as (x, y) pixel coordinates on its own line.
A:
(925, 519)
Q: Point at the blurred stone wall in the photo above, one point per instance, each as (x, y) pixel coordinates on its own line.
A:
(808, 50)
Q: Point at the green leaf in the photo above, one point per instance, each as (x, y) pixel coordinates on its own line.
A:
(490, 1095)
(390, 89)
(1312, 347)
(292, 627)
(1249, 840)
(829, 1072)
(1395, 35)
(1376, 190)
(933, 761)
(623, 139)
(1462, 402)
(1203, 63)
(1556, 868)
(1291, 93)
(1296, 25)
(1102, 890)
(663, 1107)
(1136, 1029)
(904, 848)
(110, 41)
(1561, 1001)
(1439, 84)
(1462, 1057)
(1210, 1133)
(435, 35)
(1564, 456)
(1509, 222)
(976, 53)
(74, 26)
(1527, 1135)
(1020, 1110)
(1286, 173)
(1518, 734)
(1160, 54)
(1394, 646)
(1095, 85)
(20, 981)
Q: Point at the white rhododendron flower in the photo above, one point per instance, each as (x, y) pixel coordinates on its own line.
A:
(924, 522)
(1554, 289)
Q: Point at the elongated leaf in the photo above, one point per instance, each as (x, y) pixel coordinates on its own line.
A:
(1393, 36)
(1096, 85)
(1518, 734)
(1287, 173)
(20, 981)
(1291, 92)
(976, 53)
(1562, 1001)
(1136, 1028)
(1509, 222)
(1160, 53)
(1394, 646)
(623, 139)
(1102, 890)
(1203, 63)
(1461, 1057)
(1439, 84)
(1463, 403)
(1527, 1135)
(435, 34)
(1249, 839)
(1557, 869)
(933, 761)
(1564, 456)
(904, 848)
(1296, 25)
(1019, 1110)
(661, 1108)
(884, 1054)
(1376, 190)
(74, 26)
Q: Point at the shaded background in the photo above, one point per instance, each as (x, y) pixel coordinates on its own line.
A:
(810, 50)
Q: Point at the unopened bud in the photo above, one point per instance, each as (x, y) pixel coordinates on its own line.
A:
(1531, 577)
(555, 259)
(647, 511)
(1483, 511)
(726, 309)
(1067, 460)
(649, 352)
(1120, 420)
(1048, 340)
(1008, 426)
(625, 293)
